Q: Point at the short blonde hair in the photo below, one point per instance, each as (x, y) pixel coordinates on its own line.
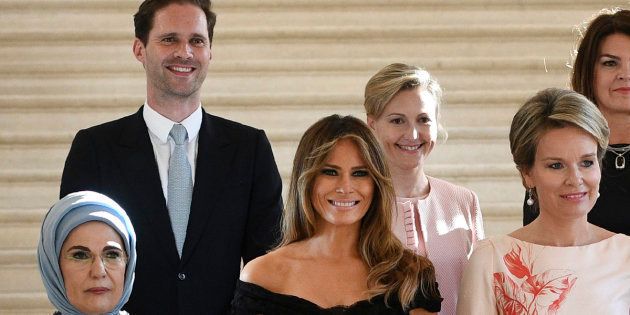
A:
(554, 108)
(390, 80)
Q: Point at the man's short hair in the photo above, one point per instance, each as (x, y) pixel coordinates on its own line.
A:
(143, 19)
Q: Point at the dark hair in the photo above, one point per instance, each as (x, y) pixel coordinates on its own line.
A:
(607, 22)
(143, 19)
(394, 270)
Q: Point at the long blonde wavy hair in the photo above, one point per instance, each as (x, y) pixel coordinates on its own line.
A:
(393, 270)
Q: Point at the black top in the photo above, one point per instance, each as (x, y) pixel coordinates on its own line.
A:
(612, 209)
(253, 299)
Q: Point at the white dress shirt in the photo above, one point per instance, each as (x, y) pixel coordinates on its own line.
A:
(159, 128)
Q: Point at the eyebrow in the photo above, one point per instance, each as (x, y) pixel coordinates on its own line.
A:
(108, 247)
(551, 158)
(167, 35)
(609, 56)
(78, 247)
(174, 34)
(199, 35)
(361, 167)
(400, 114)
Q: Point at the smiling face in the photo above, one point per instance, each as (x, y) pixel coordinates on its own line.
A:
(177, 52)
(342, 191)
(407, 128)
(92, 262)
(612, 75)
(565, 173)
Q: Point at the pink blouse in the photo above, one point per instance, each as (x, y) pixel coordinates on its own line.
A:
(443, 227)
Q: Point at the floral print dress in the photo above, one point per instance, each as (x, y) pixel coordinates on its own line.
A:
(509, 276)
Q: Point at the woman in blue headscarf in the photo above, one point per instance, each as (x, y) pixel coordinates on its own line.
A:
(87, 255)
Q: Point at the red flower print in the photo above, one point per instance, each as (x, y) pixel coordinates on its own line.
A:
(567, 285)
(528, 293)
(514, 263)
(508, 294)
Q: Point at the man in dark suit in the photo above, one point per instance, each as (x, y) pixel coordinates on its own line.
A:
(233, 203)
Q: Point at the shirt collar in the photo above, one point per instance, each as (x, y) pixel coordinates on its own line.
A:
(161, 126)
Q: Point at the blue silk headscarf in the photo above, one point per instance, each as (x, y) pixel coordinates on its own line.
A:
(68, 213)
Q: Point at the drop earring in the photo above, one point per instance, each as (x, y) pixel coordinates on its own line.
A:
(530, 195)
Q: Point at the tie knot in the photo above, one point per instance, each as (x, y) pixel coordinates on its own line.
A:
(178, 133)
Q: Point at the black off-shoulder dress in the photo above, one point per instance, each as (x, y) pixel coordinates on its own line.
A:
(253, 299)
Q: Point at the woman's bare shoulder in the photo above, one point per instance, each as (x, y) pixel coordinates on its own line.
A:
(270, 271)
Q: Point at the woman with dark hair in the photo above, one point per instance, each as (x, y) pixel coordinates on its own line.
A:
(87, 255)
(601, 72)
(337, 251)
(560, 263)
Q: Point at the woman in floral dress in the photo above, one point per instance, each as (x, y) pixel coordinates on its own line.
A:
(559, 263)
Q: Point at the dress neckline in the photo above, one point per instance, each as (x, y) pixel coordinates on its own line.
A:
(294, 298)
(610, 238)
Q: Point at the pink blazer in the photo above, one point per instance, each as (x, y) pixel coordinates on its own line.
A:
(450, 223)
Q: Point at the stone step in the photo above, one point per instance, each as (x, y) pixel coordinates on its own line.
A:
(109, 67)
(297, 34)
(246, 101)
(389, 47)
(9, 217)
(125, 5)
(393, 15)
(20, 235)
(34, 157)
(22, 274)
(308, 83)
(33, 114)
(32, 303)
(273, 17)
(110, 52)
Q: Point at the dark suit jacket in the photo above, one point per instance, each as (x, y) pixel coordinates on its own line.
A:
(235, 210)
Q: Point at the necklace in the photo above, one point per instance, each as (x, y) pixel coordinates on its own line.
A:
(620, 160)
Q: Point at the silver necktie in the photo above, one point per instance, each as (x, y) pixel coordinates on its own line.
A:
(180, 186)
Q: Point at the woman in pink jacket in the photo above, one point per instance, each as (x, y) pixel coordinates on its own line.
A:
(434, 218)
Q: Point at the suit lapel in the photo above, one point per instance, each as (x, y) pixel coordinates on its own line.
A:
(135, 153)
(215, 153)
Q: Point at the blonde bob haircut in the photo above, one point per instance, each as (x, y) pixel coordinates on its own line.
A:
(554, 108)
(393, 270)
(390, 80)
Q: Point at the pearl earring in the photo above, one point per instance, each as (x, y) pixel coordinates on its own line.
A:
(530, 199)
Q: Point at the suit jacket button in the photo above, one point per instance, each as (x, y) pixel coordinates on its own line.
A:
(181, 276)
